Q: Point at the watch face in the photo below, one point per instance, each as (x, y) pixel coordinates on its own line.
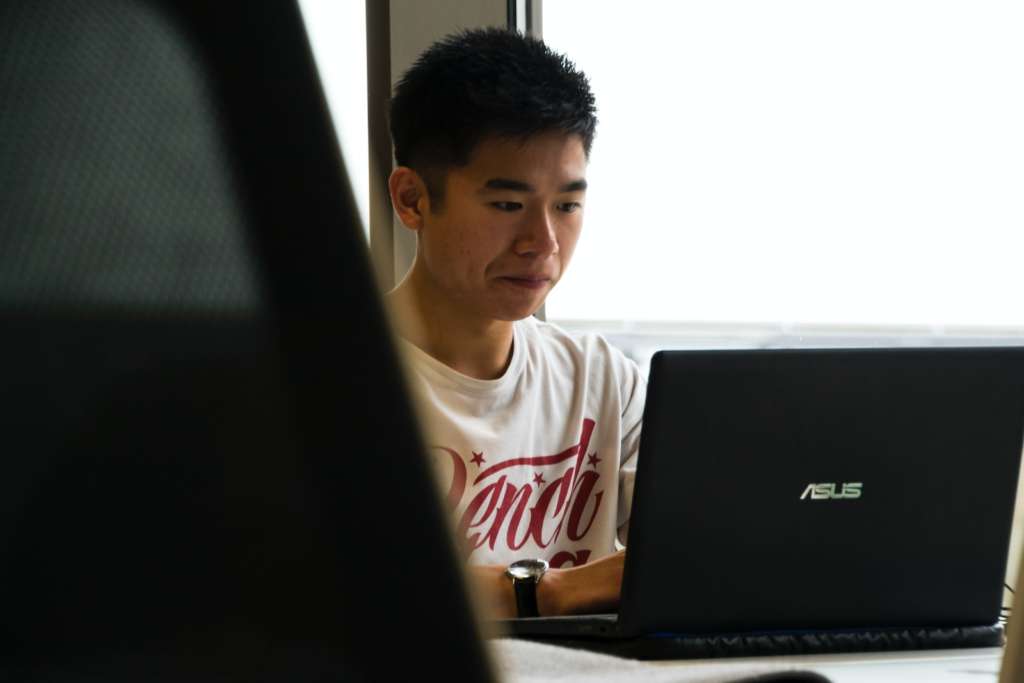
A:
(527, 569)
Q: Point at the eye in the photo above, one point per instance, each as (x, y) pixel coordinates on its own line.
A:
(507, 206)
(569, 207)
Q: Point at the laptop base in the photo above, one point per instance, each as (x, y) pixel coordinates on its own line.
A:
(783, 642)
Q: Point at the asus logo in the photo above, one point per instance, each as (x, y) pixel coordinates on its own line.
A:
(828, 491)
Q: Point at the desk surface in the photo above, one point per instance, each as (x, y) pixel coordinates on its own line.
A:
(525, 662)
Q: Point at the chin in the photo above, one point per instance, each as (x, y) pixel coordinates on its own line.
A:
(517, 307)
(513, 317)
(513, 313)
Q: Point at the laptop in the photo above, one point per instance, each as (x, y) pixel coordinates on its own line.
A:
(814, 500)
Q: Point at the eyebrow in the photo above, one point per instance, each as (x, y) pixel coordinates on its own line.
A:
(520, 186)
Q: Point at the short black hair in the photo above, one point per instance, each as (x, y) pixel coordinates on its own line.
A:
(484, 83)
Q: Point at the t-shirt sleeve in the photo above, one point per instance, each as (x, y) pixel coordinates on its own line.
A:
(634, 391)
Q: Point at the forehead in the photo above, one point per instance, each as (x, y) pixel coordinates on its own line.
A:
(551, 157)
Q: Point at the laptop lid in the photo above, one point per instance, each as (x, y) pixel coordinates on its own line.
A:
(211, 469)
(816, 489)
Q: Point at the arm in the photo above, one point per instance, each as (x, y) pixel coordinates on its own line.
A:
(590, 588)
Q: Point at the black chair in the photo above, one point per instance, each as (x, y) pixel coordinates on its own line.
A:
(210, 467)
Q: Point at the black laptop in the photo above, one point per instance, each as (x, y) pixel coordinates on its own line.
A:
(816, 500)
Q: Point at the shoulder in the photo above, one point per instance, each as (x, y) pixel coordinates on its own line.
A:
(549, 336)
(590, 353)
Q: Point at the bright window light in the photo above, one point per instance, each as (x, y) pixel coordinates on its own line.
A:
(800, 162)
(337, 33)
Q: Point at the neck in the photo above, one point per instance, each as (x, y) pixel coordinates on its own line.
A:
(478, 347)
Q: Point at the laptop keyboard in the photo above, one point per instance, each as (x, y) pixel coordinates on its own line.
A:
(670, 646)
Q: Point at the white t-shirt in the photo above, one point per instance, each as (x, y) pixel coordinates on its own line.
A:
(540, 462)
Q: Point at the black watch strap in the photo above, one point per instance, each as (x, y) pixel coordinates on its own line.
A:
(526, 597)
(525, 575)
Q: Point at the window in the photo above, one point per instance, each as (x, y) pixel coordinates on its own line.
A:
(337, 33)
(799, 171)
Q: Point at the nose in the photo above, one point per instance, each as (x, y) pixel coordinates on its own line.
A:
(537, 237)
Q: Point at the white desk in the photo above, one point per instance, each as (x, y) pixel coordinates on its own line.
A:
(524, 662)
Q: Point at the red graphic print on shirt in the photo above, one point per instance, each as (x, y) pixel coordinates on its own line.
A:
(507, 514)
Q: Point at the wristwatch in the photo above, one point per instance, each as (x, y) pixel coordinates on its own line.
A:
(525, 575)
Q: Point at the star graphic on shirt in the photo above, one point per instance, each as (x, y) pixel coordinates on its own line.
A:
(538, 479)
(592, 459)
(477, 458)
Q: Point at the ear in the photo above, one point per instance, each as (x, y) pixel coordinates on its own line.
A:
(409, 197)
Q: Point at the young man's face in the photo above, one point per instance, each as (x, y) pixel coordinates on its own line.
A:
(507, 226)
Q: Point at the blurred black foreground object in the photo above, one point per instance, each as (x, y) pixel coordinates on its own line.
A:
(211, 471)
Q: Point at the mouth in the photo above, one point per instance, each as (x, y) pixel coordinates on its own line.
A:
(527, 281)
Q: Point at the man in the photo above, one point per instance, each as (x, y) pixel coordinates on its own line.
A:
(535, 432)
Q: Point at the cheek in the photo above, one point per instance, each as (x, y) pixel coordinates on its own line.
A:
(466, 248)
(458, 257)
(479, 246)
